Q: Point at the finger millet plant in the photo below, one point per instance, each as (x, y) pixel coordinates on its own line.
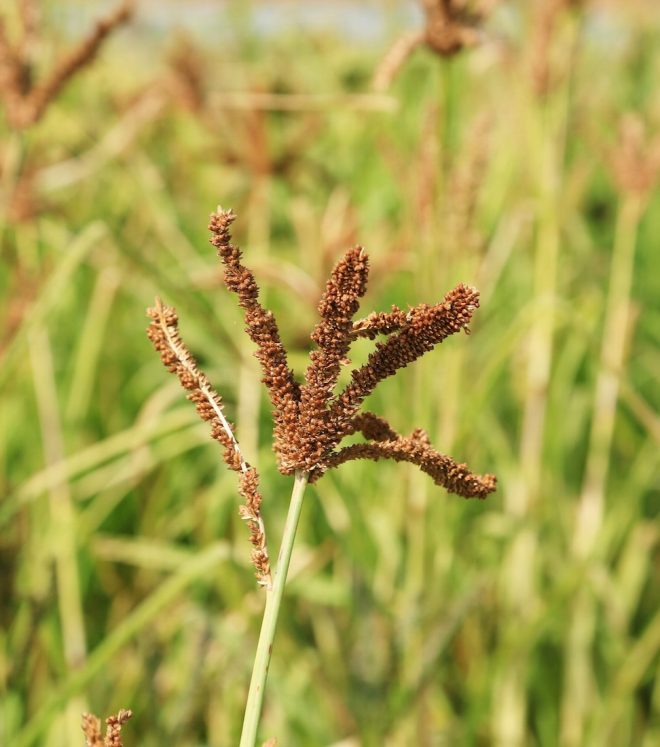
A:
(310, 420)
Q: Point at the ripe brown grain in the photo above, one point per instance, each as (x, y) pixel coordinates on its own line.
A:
(312, 419)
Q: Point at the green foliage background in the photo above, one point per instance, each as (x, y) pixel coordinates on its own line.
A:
(412, 617)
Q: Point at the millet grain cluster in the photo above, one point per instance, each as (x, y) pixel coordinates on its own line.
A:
(310, 420)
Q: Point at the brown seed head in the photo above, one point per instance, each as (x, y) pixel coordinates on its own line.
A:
(333, 335)
(25, 103)
(91, 726)
(444, 471)
(635, 161)
(425, 327)
(450, 27)
(262, 328)
(164, 334)
(310, 421)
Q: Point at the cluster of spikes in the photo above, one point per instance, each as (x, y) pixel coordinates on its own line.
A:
(310, 419)
(451, 26)
(91, 726)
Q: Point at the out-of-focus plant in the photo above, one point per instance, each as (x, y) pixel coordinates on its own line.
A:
(311, 420)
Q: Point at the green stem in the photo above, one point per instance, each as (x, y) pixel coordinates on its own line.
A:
(446, 116)
(579, 700)
(612, 362)
(271, 612)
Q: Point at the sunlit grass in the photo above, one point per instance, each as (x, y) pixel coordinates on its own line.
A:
(412, 617)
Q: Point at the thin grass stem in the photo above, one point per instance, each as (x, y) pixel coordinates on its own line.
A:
(612, 362)
(580, 687)
(62, 523)
(271, 613)
(548, 127)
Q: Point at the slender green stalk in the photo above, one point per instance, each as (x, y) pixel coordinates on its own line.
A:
(612, 362)
(580, 687)
(92, 334)
(61, 536)
(271, 613)
(548, 123)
